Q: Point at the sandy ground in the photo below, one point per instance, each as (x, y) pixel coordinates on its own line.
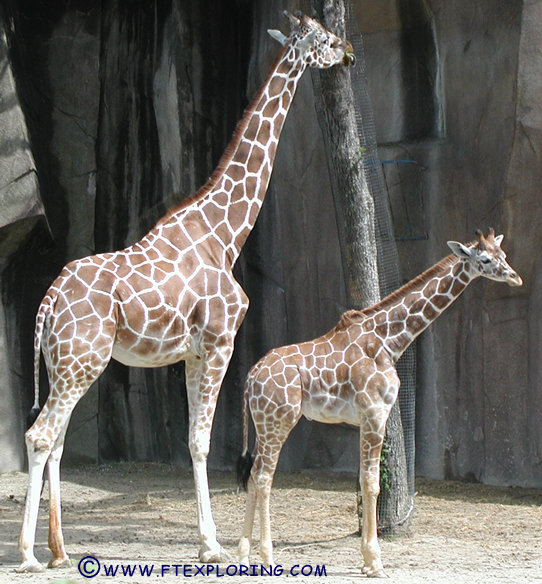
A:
(144, 514)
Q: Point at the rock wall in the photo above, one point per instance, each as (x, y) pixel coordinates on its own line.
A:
(128, 108)
(476, 404)
(20, 208)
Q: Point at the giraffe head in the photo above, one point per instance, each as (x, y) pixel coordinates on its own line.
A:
(312, 43)
(487, 258)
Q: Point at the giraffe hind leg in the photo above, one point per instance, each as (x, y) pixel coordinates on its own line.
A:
(262, 478)
(244, 466)
(44, 442)
(36, 463)
(60, 558)
(274, 418)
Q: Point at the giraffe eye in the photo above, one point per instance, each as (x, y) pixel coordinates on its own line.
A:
(485, 260)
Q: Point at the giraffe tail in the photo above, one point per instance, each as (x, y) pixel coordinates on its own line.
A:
(245, 461)
(43, 312)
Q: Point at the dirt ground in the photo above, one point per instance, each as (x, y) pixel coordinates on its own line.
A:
(144, 514)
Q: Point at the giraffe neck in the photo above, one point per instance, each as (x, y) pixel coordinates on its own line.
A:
(231, 199)
(404, 314)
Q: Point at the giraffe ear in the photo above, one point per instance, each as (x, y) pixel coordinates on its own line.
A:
(307, 42)
(460, 250)
(278, 36)
(498, 239)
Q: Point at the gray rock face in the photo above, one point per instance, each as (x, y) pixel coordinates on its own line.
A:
(20, 207)
(128, 108)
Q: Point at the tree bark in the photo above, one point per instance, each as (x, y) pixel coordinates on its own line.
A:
(351, 194)
(355, 206)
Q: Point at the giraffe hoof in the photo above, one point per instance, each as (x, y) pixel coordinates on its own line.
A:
(210, 556)
(60, 563)
(32, 566)
(378, 573)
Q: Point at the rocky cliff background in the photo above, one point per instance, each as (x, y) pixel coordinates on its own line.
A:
(119, 109)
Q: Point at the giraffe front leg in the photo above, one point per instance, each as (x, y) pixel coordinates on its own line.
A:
(370, 548)
(203, 381)
(210, 551)
(371, 446)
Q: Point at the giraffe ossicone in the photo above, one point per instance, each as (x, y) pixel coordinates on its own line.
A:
(169, 297)
(348, 375)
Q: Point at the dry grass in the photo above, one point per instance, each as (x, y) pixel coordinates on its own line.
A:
(462, 533)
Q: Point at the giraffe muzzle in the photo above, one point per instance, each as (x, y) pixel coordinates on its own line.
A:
(514, 279)
(349, 58)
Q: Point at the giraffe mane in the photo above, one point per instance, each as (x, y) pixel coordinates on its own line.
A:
(348, 318)
(230, 150)
(353, 316)
(414, 284)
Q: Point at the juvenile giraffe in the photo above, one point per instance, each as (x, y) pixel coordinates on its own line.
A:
(348, 375)
(169, 297)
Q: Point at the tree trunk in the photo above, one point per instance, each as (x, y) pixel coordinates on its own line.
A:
(355, 206)
(350, 191)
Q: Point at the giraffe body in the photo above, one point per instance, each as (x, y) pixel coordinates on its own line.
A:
(348, 375)
(169, 297)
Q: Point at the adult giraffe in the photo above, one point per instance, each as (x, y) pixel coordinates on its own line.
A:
(348, 375)
(169, 297)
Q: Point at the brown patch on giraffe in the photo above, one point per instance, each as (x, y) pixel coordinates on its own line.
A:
(222, 199)
(418, 305)
(429, 312)
(372, 346)
(397, 314)
(243, 152)
(276, 86)
(342, 372)
(368, 324)
(145, 270)
(80, 309)
(415, 323)
(264, 133)
(254, 210)
(445, 285)
(327, 375)
(382, 330)
(165, 249)
(431, 289)
(152, 254)
(457, 287)
(252, 129)
(353, 354)
(241, 211)
(271, 108)
(255, 163)
(464, 276)
(236, 172)
(395, 328)
(214, 213)
(138, 258)
(440, 301)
